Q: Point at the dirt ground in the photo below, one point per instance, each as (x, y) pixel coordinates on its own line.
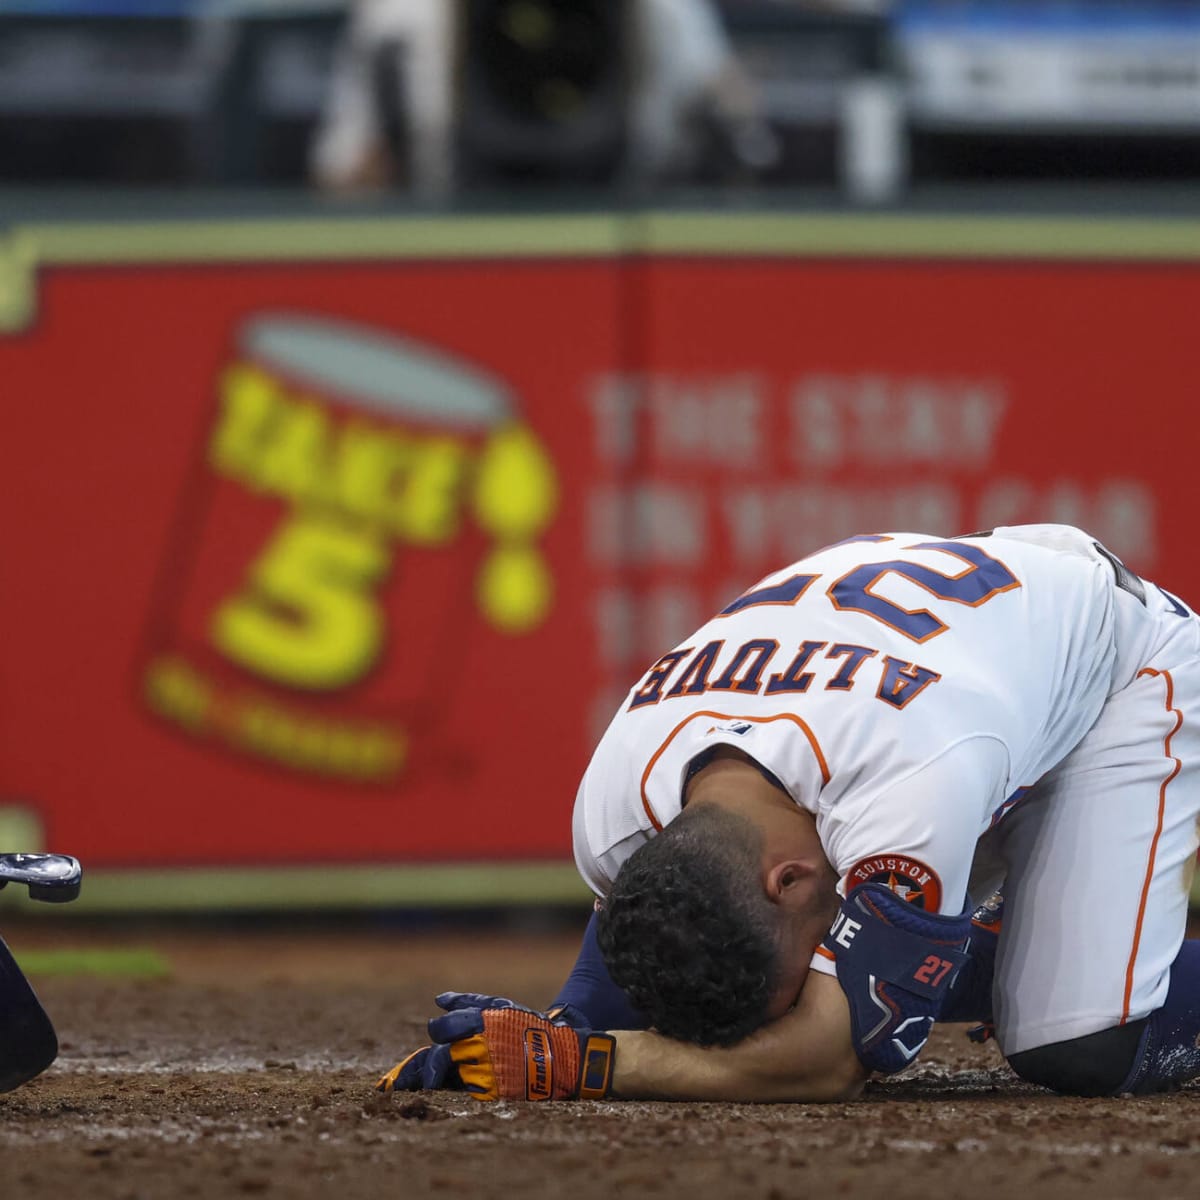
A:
(248, 1070)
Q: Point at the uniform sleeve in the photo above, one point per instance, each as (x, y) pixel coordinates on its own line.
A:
(918, 835)
(587, 862)
(599, 866)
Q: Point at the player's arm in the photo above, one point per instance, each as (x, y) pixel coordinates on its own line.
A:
(498, 1051)
(806, 1055)
(589, 997)
(896, 967)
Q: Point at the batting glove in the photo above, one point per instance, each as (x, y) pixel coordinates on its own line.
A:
(431, 1069)
(497, 1050)
(426, 1070)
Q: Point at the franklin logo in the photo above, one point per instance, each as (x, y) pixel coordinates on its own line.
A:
(539, 1064)
(908, 877)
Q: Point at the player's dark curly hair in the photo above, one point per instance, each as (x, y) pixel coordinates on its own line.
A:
(689, 933)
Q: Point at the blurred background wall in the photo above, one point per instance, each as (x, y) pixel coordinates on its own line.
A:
(386, 384)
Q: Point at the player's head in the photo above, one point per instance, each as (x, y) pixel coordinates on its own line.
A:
(693, 934)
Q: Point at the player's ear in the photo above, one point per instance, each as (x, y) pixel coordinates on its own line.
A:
(791, 881)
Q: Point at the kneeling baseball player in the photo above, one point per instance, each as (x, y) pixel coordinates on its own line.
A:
(793, 817)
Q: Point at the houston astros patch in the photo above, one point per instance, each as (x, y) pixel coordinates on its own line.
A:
(907, 876)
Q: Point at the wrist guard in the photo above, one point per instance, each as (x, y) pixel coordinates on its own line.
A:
(896, 964)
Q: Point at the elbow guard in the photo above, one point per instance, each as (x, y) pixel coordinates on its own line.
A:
(896, 964)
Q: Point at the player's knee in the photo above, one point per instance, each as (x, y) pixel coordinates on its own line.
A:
(1094, 1065)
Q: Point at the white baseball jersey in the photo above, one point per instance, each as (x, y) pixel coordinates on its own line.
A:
(916, 693)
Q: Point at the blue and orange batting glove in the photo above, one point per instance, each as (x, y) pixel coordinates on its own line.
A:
(494, 1049)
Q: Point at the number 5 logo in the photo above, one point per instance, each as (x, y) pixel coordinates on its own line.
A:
(308, 616)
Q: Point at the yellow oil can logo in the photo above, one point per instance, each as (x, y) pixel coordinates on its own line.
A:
(363, 500)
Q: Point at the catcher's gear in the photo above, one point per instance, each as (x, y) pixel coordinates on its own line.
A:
(896, 963)
(498, 1050)
(28, 1044)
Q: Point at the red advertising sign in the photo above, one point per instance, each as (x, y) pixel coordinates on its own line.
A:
(292, 554)
(318, 562)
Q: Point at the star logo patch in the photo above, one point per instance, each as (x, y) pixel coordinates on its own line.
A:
(908, 877)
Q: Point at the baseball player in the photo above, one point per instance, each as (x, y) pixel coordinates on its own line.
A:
(791, 818)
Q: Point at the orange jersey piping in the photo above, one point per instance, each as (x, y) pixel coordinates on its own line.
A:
(1162, 804)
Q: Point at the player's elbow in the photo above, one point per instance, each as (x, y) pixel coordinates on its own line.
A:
(844, 1074)
(843, 1080)
(833, 1081)
(853, 1083)
(827, 1088)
